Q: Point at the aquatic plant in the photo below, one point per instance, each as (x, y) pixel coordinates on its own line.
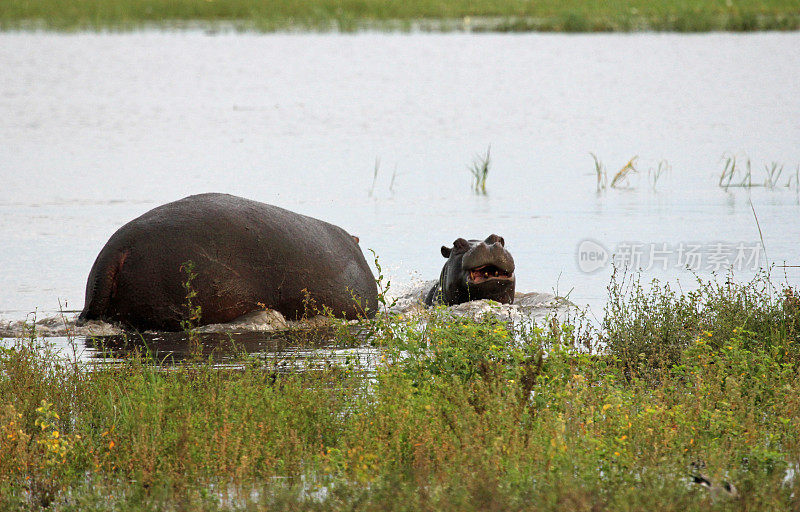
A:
(480, 171)
(794, 179)
(773, 172)
(653, 175)
(733, 176)
(730, 171)
(394, 176)
(600, 173)
(375, 172)
(760, 234)
(375, 175)
(621, 177)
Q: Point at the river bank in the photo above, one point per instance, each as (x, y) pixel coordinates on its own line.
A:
(348, 16)
(449, 414)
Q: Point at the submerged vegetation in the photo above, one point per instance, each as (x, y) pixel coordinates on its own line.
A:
(621, 178)
(452, 414)
(737, 172)
(482, 15)
(600, 173)
(654, 174)
(376, 171)
(740, 174)
(480, 171)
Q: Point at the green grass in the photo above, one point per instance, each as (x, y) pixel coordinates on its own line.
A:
(346, 15)
(479, 169)
(457, 415)
(738, 173)
(620, 180)
(600, 174)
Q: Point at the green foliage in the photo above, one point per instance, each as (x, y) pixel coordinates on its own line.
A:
(480, 171)
(600, 173)
(351, 15)
(648, 329)
(455, 347)
(454, 414)
(193, 309)
(739, 173)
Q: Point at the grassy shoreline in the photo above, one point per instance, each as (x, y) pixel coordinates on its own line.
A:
(354, 15)
(456, 415)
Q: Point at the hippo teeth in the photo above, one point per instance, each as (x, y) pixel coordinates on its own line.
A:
(487, 272)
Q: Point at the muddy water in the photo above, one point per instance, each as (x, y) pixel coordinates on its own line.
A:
(96, 129)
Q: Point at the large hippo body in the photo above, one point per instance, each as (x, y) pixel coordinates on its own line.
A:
(246, 256)
(475, 269)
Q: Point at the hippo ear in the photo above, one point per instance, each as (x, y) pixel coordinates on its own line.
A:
(446, 251)
(355, 239)
(460, 244)
(495, 239)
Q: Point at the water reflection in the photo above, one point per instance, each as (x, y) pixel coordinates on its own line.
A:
(292, 350)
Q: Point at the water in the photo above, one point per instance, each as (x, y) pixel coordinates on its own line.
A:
(96, 129)
(291, 351)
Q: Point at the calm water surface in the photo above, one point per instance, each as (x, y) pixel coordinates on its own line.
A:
(96, 129)
(292, 351)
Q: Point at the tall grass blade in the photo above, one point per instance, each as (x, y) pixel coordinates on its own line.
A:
(654, 175)
(727, 172)
(774, 172)
(600, 172)
(480, 171)
(621, 178)
(375, 175)
(760, 234)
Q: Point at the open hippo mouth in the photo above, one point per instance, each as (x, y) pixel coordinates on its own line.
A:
(485, 273)
(475, 270)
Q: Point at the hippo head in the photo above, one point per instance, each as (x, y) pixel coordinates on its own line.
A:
(475, 270)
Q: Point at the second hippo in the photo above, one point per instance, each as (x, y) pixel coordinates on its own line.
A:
(475, 270)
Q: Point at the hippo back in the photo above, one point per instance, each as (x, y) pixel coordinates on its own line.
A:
(238, 255)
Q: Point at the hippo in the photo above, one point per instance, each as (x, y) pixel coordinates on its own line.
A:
(475, 270)
(237, 255)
